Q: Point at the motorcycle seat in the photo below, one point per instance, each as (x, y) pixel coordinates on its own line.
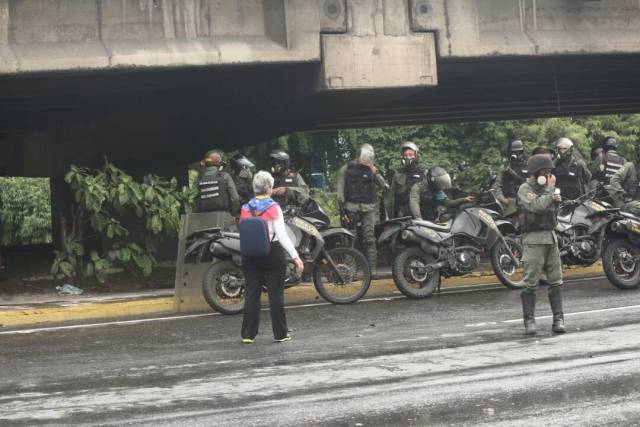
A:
(444, 226)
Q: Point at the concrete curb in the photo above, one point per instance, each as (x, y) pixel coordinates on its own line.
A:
(83, 309)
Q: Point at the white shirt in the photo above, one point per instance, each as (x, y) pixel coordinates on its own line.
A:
(278, 231)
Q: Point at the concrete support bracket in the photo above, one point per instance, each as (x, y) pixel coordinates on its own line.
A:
(376, 61)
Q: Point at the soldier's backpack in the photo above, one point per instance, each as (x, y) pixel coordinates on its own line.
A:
(254, 235)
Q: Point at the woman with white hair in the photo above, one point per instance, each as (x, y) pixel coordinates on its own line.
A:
(269, 270)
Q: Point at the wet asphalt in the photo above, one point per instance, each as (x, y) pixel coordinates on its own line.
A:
(458, 358)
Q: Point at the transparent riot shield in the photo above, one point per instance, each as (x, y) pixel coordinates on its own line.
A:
(189, 275)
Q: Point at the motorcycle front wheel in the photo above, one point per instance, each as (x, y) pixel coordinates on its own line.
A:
(411, 274)
(620, 267)
(505, 270)
(223, 287)
(353, 268)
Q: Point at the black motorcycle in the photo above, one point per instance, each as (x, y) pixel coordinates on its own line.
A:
(425, 251)
(341, 274)
(621, 249)
(579, 232)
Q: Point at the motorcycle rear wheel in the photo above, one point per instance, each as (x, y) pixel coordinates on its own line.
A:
(504, 269)
(410, 275)
(353, 267)
(221, 289)
(619, 267)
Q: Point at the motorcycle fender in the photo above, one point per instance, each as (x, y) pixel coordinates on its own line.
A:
(389, 233)
(505, 227)
(335, 231)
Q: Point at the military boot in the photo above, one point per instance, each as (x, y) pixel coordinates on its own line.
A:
(528, 298)
(555, 300)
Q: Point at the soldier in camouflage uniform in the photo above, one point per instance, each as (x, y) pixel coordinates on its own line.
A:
(538, 204)
(289, 189)
(428, 197)
(512, 175)
(404, 180)
(216, 190)
(356, 186)
(571, 172)
(624, 186)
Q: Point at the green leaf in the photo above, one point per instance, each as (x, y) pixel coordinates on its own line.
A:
(156, 224)
(67, 269)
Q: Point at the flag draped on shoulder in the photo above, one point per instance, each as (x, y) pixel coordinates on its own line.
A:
(264, 207)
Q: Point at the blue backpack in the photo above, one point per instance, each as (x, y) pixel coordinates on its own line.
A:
(254, 235)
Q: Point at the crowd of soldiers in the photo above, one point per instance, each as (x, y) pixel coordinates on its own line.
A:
(530, 186)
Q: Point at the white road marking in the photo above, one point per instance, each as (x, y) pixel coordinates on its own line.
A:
(470, 288)
(577, 313)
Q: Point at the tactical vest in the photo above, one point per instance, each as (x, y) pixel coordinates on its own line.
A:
(544, 221)
(568, 181)
(428, 204)
(359, 184)
(612, 162)
(510, 183)
(244, 187)
(213, 194)
(288, 179)
(406, 181)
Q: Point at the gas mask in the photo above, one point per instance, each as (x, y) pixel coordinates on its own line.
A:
(277, 169)
(517, 156)
(244, 173)
(541, 180)
(408, 161)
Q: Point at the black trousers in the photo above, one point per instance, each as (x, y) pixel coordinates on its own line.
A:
(269, 270)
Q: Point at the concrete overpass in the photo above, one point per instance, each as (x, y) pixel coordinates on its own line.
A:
(167, 79)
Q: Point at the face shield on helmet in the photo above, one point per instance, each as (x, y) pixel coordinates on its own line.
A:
(564, 148)
(409, 151)
(279, 162)
(242, 166)
(609, 143)
(515, 150)
(438, 178)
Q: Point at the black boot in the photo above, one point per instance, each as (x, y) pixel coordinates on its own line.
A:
(528, 298)
(555, 300)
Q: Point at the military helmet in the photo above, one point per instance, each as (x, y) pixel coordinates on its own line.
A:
(240, 161)
(280, 160)
(214, 158)
(563, 143)
(537, 162)
(515, 146)
(409, 145)
(609, 143)
(438, 178)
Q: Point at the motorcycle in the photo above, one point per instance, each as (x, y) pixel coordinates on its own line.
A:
(341, 274)
(621, 249)
(425, 251)
(579, 231)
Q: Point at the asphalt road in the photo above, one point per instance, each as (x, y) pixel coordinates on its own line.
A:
(455, 359)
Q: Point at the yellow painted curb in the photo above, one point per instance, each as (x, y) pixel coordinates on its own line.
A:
(82, 311)
(142, 306)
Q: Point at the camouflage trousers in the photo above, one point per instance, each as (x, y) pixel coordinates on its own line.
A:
(539, 259)
(367, 238)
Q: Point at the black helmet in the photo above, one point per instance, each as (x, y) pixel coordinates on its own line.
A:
(240, 161)
(214, 158)
(595, 152)
(279, 161)
(537, 162)
(515, 146)
(438, 178)
(609, 143)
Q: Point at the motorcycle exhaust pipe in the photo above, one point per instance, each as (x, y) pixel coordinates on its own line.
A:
(217, 250)
(430, 249)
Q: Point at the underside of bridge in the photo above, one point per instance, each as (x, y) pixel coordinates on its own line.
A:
(167, 118)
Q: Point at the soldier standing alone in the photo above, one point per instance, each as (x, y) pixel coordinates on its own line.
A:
(538, 203)
(356, 186)
(404, 180)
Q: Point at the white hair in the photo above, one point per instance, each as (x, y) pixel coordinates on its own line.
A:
(367, 155)
(262, 183)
